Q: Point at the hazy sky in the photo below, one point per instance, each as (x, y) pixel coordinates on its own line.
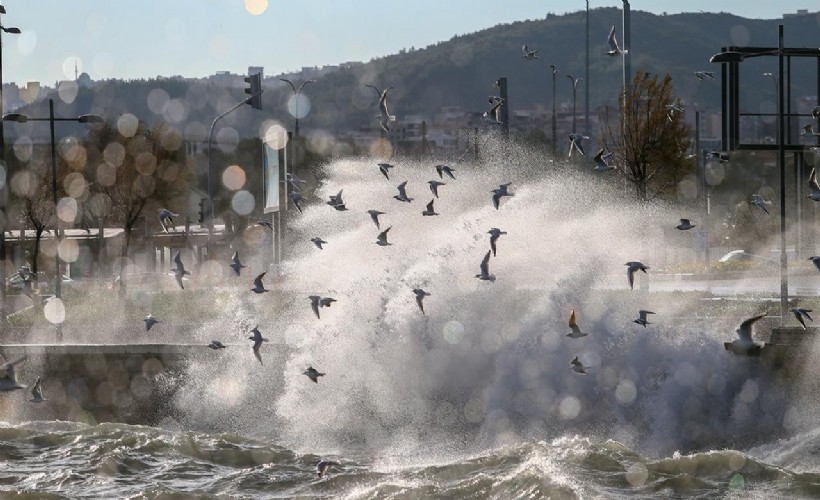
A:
(117, 39)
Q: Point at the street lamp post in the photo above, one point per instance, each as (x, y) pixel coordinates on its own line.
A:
(296, 93)
(574, 88)
(20, 118)
(3, 190)
(586, 78)
(554, 138)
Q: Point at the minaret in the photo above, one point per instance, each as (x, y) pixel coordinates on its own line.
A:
(76, 75)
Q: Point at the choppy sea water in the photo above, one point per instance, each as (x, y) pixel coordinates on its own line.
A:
(68, 460)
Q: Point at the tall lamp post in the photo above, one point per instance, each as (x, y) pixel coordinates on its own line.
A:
(586, 78)
(574, 89)
(554, 138)
(3, 190)
(296, 93)
(20, 118)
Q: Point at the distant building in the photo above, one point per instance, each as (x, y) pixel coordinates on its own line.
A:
(84, 80)
(800, 12)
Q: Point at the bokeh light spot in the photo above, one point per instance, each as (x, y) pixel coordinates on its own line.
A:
(453, 332)
(381, 148)
(569, 408)
(637, 474)
(299, 105)
(54, 311)
(127, 125)
(233, 177)
(626, 392)
(256, 7)
(274, 134)
(68, 250)
(67, 209)
(243, 202)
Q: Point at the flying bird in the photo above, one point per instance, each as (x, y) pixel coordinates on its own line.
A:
(313, 374)
(760, 203)
(383, 101)
(37, 392)
(575, 143)
(528, 53)
(601, 161)
(429, 210)
(236, 265)
(573, 326)
(267, 223)
(150, 321)
(258, 287)
(402, 196)
(381, 239)
(813, 186)
(494, 233)
(317, 302)
(671, 109)
(8, 379)
(166, 218)
(445, 169)
(630, 271)
(384, 167)
(500, 192)
(704, 74)
(257, 342)
(337, 202)
(294, 181)
(801, 313)
(614, 49)
(494, 114)
(578, 367)
(374, 216)
(684, 225)
(642, 318)
(720, 156)
(216, 345)
(434, 187)
(296, 197)
(485, 269)
(744, 343)
(324, 465)
(420, 294)
(318, 242)
(179, 271)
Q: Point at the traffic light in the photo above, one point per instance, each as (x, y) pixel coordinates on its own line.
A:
(255, 90)
(203, 210)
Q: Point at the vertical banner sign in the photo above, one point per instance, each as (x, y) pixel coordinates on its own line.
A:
(271, 179)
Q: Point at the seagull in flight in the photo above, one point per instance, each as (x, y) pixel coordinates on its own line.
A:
(684, 225)
(573, 326)
(704, 74)
(760, 203)
(236, 265)
(485, 269)
(313, 374)
(816, 261)
(323, 466)
(801, 313)
(374, 216)
(317, 302)
(337, 202)
(671, 109)
(216, 345)
(744, 343)
(318, 242)
(166, 218)
(8, 379)
(813, 186)
(257, 342)
(179, 271)
(434, 186)
(294, 181)
(37, 392)
(385, 116)
(258, 287)
(381, 239)
(578, 367)
(601, 161)
(642, 318)
(614, 49)
(430, 210)
(420, 294)
(296, 197)
(575, 143)
(266, 223)
(494, 114)
(150, 321)
(445, 169)
(402, 196)
(500, 192)
(494, 233)
(528, 53)
(630, 271)
(384, 167)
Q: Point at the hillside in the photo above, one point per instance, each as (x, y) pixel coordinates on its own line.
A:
(461, 71)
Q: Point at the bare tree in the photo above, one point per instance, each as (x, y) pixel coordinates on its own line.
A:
(648, 142)
(139, 171)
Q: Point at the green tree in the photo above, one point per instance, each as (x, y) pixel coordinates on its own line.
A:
(648, 143)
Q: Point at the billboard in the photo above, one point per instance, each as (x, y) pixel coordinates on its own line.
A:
(271, 168)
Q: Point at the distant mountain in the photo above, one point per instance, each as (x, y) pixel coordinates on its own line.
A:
(462, 70)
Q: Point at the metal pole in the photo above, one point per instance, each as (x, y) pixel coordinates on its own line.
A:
(554, 137)
(627, 44)
(3, 201)
(586, 81)
(58, 281)
(781, 163)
